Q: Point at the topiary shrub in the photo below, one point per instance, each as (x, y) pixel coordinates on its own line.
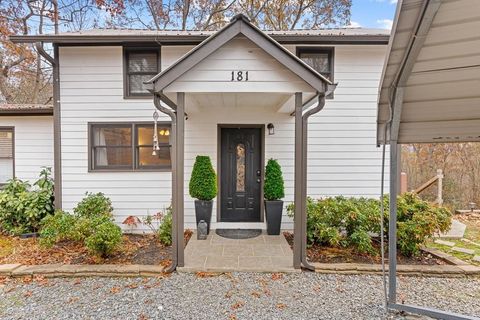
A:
(22, 207)
(273, 188)
(203, 183)
(94, 204)
(104, 239)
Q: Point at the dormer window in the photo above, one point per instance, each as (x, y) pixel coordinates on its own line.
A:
(140, 65)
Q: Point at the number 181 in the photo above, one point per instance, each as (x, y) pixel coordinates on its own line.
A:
(239, 76)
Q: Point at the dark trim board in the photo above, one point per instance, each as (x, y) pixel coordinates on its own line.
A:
(181, 40)
(26, 113)
(262, 165)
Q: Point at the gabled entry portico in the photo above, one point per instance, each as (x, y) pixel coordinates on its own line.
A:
(238, 76)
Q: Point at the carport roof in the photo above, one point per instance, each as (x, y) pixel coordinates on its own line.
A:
(432, 73)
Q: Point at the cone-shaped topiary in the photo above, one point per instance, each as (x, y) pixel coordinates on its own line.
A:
(203, 183)
(273, 188)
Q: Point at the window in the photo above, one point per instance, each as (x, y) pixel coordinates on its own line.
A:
(140, 65)
(6, 154)
(320, 59)
(127, 147)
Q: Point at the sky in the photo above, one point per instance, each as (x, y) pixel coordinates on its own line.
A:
(373, 13)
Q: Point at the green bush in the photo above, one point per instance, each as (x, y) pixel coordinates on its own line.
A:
(273, 188)
(94, 204)
(340, 221)
(56, 228)
(165, 229)
(203, 183)
(84, 227)
(92, 226)
(22, 207)
(418, 220)
(104, 239)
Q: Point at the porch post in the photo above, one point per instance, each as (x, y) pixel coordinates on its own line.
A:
(392, 224)
(298, 198)
(179, 191)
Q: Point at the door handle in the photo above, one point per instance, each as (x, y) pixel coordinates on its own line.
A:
(258, 180)
(259, 173)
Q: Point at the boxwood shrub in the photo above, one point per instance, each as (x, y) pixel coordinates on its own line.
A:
(273, 188)
(203, 182)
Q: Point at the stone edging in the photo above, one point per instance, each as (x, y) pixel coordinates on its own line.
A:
(404, 270)
(66, 270)
(111, 270)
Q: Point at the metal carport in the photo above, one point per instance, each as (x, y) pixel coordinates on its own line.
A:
(429, 92)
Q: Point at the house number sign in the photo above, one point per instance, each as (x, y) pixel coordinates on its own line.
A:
(239, 76)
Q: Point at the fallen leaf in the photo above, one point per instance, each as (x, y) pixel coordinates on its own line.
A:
(232, 317)
(237, 305)
(77, 282)
(256, 294)
(28, 294)
(277, 276)
(115, 290)
(281, 306)
(202, 274)
(73, 299)
(132, 286)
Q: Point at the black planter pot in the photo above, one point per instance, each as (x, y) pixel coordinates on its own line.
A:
(273, 215)
(203, 211)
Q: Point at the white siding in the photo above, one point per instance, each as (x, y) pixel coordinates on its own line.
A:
(343, 158)
(214, 73)
(91, 90)
(33, 144)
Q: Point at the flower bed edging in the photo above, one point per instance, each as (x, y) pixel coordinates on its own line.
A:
(405, 270)
(111, 270)
(71, 270)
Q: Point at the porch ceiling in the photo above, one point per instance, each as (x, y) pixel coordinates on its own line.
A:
(251, 101)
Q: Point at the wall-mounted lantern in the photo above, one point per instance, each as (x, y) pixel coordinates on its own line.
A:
(271, 129)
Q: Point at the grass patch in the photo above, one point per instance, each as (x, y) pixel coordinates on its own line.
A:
(458, 243)
(6, 246)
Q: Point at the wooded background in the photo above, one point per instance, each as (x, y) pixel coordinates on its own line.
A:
(26, 78)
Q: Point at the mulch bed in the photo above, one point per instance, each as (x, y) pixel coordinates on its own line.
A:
(325, 254)
(135, 249)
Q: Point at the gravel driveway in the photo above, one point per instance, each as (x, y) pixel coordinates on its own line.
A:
(229, 296)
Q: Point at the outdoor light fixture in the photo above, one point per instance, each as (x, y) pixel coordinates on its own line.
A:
(155, 136)
(271, 129)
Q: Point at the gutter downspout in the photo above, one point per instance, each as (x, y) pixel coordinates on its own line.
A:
(305, 116)
(57, 151)
(173, 135)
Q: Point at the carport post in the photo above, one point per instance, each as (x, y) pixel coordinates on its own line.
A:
(392, 224)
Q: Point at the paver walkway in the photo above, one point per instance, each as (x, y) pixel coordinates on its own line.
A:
(217, 254)
(456, 231)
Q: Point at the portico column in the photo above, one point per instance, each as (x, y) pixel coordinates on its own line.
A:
(180, 181)
(299, 197)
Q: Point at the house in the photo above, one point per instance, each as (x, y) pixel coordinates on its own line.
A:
(239, 95)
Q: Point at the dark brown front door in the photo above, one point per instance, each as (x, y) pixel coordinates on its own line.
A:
(240, 177)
